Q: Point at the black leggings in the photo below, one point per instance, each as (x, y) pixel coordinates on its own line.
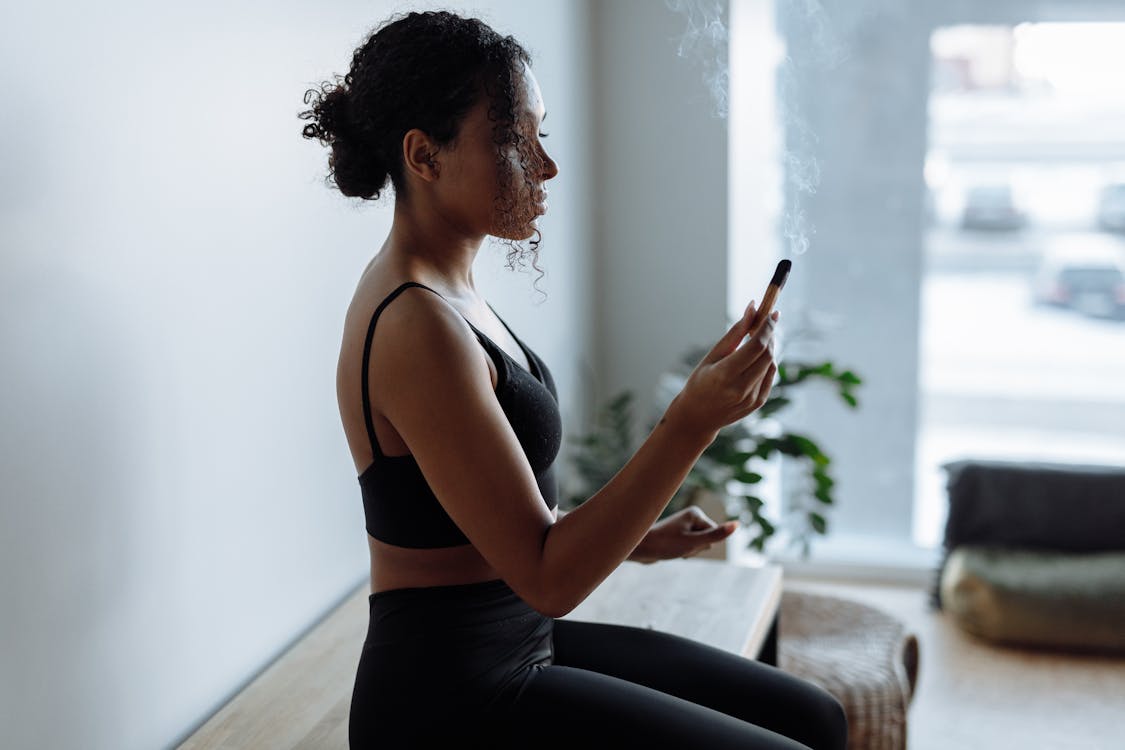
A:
(475, 665)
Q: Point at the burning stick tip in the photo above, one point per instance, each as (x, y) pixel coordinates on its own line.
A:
(782, 273)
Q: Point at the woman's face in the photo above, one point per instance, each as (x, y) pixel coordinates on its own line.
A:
(498, 190)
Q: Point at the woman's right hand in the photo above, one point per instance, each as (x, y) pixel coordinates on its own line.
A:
(732, 381)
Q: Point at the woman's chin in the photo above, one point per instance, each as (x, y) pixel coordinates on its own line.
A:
(517, 234)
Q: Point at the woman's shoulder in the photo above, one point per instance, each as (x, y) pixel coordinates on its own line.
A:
(377, 290)
(399, 317)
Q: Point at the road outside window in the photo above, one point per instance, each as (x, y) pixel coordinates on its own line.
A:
(1023, 309)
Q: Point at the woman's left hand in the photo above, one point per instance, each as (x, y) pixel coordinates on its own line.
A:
(683, 534)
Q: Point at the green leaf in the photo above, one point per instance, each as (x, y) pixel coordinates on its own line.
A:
(850, 399)
(808, 448)
(727, 456)
(818, 522)
(747, 477)
(773, 405)
(849, 377)
(766, 447)
(823, 496)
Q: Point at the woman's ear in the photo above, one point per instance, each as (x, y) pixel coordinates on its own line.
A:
(418, 152)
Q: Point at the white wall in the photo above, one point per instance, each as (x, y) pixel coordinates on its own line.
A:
(661, 213)
(177, 502)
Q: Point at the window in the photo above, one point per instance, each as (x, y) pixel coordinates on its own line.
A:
(962, 194)
(1023, 315)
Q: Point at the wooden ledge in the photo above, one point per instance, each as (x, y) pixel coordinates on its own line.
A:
(302, 700)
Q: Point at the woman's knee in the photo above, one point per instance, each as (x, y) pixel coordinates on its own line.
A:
(831, 721)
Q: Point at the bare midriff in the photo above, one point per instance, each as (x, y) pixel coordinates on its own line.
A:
(395, 567)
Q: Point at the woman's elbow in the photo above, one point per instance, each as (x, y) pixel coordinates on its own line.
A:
(552, 599)
(553, 608)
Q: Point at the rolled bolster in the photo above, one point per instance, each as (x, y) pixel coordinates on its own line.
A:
(1037, 598)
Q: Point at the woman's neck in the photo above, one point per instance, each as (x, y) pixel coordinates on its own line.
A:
(430, 251)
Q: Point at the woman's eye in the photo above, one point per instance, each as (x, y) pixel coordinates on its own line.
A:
(543, 135)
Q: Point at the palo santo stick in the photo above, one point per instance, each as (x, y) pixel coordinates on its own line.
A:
(778, 281)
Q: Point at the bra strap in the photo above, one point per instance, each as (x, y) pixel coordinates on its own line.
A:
(367, 418)
(535, 369)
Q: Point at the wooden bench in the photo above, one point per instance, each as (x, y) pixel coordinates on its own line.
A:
(302, 700)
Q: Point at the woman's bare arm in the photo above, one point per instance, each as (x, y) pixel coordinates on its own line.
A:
(440, 399)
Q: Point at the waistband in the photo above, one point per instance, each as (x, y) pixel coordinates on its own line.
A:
(405, 612)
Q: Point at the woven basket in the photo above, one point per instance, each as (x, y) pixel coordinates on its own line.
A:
(860, 654)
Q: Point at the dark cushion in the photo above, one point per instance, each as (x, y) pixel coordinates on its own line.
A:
(1046, 506)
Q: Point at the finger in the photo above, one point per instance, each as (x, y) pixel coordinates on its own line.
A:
(700, 522)
(717, 532)
(761, 394)
(761, 380)
(734, 334)
(760, 372)
(760, 327)
(766, 386)
(753, 349)
(721, 532)
(699, 519)
(756, 326)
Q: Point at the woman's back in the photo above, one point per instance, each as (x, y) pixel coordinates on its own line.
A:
(426, 548)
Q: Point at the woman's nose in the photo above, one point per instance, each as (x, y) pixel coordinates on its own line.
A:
(550, 169)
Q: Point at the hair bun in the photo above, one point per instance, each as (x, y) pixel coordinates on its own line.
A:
(419, 70)
(354, 164)
(330, 112)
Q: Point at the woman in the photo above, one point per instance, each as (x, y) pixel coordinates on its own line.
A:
(454, 426)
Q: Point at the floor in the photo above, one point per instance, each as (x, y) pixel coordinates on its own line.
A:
(973, 695)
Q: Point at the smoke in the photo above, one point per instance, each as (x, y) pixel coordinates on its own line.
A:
(706, 42)
(822, 49)
(823, 46)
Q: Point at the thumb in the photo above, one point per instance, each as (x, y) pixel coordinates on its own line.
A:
(730, 340)
(720, 532)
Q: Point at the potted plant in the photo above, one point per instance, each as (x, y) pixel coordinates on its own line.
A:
(729, 467)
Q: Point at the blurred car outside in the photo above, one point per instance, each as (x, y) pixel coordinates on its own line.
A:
(992, 207)
(1111, 207)
(1085, 273)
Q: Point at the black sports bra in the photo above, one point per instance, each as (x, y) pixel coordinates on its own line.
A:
(398, 504)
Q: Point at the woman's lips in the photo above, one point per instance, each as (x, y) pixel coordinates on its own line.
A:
(540, 198)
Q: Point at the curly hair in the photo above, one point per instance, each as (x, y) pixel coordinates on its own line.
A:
(426, 71)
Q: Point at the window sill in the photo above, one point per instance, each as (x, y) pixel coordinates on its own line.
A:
(851, 557)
